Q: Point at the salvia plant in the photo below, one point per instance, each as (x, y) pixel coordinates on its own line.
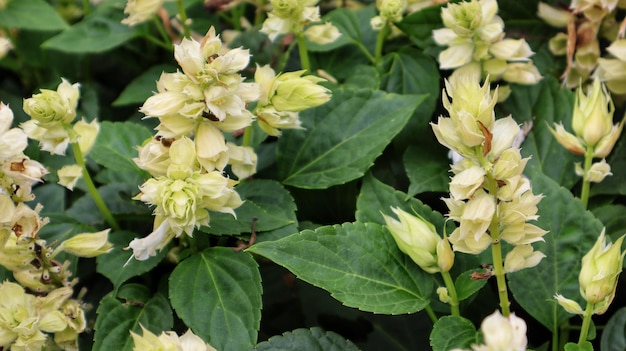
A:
(255, 175)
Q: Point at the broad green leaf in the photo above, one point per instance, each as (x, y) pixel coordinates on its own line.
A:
(142, 87)
(544, 104)
(116, 145)
(572, 232)
(118, 266)
(218, 294)
(35, 15)
(118, 198)
(427, 169)
(358, 263)
(342, 138)
(466, 286)
(363, 76)
(100, 32)
(116, 319)
(615, 184)
(51, 196)
(613, 335)
(314, 339)
(586, 346)
(377, 198)
(452, 332)
(612, 217)
(419, 25)
(355, 27)
(266, 200)
(409, 71)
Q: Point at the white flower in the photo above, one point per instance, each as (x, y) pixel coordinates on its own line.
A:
(139, 11)
(504, 333)
(322, 34)
(13, 141)
(69, 175)
(147, 247)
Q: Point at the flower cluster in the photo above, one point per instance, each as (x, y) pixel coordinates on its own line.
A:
(601, 267)
(586, 23)
(168, 341)
(390, 11)
(45, 306)
(474, 36)
(490, 197)
(140, 11)
(502, 333)
(292, 16)
(189, 154)
(595, 134)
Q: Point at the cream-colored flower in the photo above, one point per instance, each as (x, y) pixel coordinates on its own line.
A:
(553, 16)
(69, 175)
(465, 183)
(569, 305)
(154, 156)
(597, 172)
(592, 118)
(503, 333)
(147, 247)
(53, 139)
(520, 257)
(211, 149)
(51, 108)
(290, 16)
(140, 11)
(242, 160)
(13, 141)
(87, 132)
(391, 10)
(88, 244)
(322, 34)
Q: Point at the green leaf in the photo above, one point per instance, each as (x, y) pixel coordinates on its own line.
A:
(544, 104)
(116, 319)
(116, 265)
(466, 286)
(266, 200)
(572, 232)
(363, 77)
(355, 27)
(97, 33)
(116, 145)
(377, 198)
(35, 15)
(314, 339)
(613, 336)
(342, 138)
(452, 332)
(586, 346)
(358, 263)
(419, 25)
(427, 169)
(142, 87)
(409, 71)
(612, 216)
(218, 294)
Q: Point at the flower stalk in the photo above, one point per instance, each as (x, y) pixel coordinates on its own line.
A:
(454, 299)
(584, 329)
(584, 194)
(304, 55)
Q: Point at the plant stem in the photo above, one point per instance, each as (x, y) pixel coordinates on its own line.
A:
(167, 41)
(247, 136)
(454, 300)
(304, 55)
(584, 194)
(95, 195)
(431, 314)
(259, 13)
(86, 8)
(496, 250)
(380, 41)
(584, 329)
(183, 18)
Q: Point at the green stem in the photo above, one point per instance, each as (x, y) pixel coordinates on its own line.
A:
(454, 300)
(496, 251)
(183, 18)
(247, 136)
(584, 329)
(86, 8)
(431, 314)
(380, 41)
(95, 195)
(584, 194)
(259, 14)
(167, 41)
(304, 55)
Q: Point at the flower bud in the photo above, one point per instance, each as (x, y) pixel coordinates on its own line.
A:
(416, 238)
(569, 305)
(53, 107)
(322, 34)
(504, 333)
(442, 292)
(296, 93)
(242, 160)
(600, 269)
(391, 10)
(87, 133)
(597, 172)
(592, 118)
(139, 11)
(69, 175)
(154, 156)
(465, 183)
(521, 73)
(88, 244)
(605, 145)
(291, 9)
(567, 140)
(445, 255)
(522, 256)
(554, 16)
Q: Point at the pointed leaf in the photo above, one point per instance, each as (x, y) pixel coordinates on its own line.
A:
(314, 339)
(572, 232)
(116, 266)
(427, 171)
(354, 26)
(116, 145)
(377, 198)
(419, 25)
(452, 332)
(116, 319)
(217, 293)
(142, 87)
(466, 286)
(342, 138)
(32, 15)
(265, 200)
(613, 336)
(358, 263)
(545, 104)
